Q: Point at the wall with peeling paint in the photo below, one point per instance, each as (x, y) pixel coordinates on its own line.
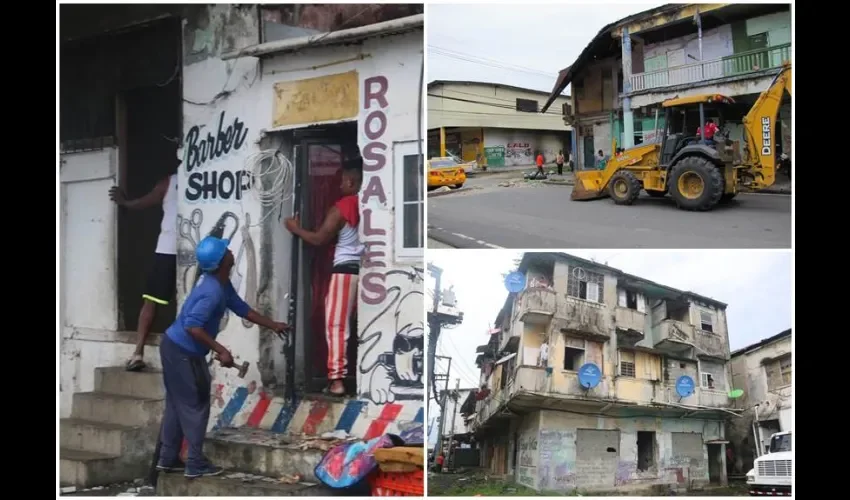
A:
(386, 85)
(592, 453)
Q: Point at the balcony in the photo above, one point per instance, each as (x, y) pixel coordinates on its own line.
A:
(537, 306)
(725, 67)
(630, 326)
(711, 345)
(676, 337)
(702, 397)
(581, 318)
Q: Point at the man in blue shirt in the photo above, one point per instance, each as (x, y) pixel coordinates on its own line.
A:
(183, 352)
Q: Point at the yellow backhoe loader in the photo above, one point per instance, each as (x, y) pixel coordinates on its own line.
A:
(697, 174)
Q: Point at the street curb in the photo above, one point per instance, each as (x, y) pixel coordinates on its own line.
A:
(453, 191)
(557, 183)
(448, 239)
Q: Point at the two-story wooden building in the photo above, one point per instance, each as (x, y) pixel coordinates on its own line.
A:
(634, 64)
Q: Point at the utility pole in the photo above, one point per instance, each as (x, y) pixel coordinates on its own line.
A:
(442, 402)
(455, 398)
(436, 321)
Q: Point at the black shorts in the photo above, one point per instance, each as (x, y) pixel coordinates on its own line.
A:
(162, 281)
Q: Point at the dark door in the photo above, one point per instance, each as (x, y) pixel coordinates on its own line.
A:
(319, 162)
(589, 155)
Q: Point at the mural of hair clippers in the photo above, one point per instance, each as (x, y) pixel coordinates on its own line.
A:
(397, 375)
(249, 252)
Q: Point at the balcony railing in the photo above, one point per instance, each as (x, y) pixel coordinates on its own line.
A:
(734, 65)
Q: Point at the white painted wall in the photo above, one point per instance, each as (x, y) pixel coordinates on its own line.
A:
(390, 299)
(522, 145)
(89, 284)
(716, 43)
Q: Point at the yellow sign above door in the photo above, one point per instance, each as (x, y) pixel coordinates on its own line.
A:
(316, 100)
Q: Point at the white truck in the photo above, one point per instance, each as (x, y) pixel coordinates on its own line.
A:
(772, 474)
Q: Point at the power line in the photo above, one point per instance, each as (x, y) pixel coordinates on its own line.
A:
(484, 61)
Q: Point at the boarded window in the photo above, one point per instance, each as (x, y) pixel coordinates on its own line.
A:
(778, 372)
(527, 105)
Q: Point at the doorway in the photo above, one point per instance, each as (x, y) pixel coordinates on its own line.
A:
(589, 155)
(320, 154)
(149, 127)
(715, 463)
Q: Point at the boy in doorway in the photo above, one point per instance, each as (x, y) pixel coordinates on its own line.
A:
(340, 224)
(162, 280)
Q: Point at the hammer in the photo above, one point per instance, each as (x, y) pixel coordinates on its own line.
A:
(243, 368)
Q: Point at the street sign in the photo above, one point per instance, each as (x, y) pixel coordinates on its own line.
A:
(589, 375)
(684, 386)
(515, 282)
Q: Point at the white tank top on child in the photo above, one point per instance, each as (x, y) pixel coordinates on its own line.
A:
(167, 242)
(348, 246)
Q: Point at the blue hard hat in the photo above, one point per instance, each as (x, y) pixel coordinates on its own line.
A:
(210, 251)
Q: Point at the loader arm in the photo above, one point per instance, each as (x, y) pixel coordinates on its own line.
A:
(760, 129)
(593, 184)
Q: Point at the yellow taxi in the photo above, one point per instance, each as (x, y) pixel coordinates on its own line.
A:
(445, 171)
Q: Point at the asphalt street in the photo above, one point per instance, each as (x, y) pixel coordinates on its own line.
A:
(534, 215)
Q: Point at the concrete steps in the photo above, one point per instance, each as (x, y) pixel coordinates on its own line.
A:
(236, 484)
(254, 461)
(112, 431)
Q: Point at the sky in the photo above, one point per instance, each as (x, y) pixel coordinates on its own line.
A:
(520, 44)
(755, 284)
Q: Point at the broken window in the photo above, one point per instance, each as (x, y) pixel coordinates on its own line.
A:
(631, 300)
(712, 376)
(627, 364)
(585, 285)
(778, 372)
(573, 354)
(706, 321)
(645, 450)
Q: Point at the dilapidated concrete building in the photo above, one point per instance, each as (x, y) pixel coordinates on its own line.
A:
(596, 380)
(676, 50)
(247, 96)
(764, 372)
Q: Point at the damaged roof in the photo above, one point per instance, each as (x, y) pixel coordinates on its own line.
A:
(490, 84)
(761, 343)
(645, 284)
(598, 43)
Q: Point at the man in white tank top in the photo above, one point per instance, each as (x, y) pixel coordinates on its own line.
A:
(341, 223)
(162, 280)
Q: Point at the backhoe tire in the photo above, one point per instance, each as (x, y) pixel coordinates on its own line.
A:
(696, 184)
(624, 187)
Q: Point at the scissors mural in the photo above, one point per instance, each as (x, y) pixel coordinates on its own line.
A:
(227, 226)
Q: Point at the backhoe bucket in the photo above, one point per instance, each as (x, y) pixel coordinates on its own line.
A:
(588, 186)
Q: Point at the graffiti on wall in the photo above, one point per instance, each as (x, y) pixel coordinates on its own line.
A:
(206, 144)
(227, 225)
(392, 341)
(556, 471)
(519, 153)
(527, 459)
(395, 374)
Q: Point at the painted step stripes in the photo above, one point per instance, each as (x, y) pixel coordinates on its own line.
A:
(315, 416)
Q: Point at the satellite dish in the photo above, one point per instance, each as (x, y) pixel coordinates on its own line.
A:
(515, 282)
(589, 376)
(736, 393)
(685, 386)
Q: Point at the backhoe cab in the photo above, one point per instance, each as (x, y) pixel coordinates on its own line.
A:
(697, 173)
